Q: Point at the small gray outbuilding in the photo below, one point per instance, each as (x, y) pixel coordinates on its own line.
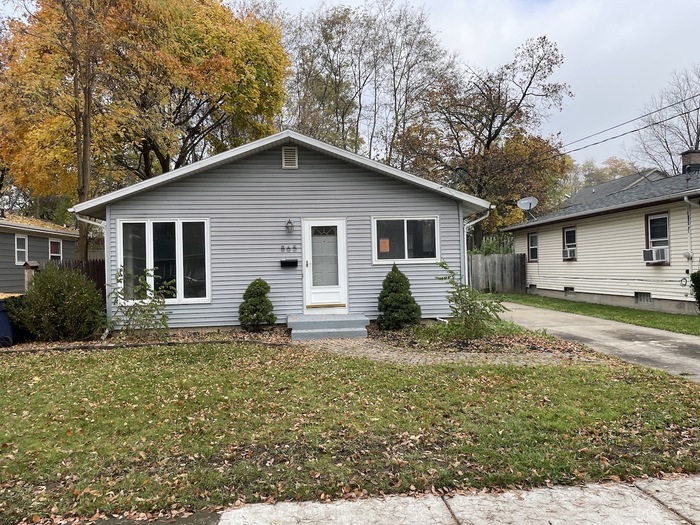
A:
(320, 224)
(23, 239)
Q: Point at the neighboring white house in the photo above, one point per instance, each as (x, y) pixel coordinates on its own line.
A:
(320, 224)
(629, 242)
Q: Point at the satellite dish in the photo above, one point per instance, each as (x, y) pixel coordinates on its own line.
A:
(527, 203)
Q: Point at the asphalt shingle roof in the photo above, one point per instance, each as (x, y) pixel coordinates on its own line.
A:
(640, 194)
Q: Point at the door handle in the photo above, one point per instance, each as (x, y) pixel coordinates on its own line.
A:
(307, 264)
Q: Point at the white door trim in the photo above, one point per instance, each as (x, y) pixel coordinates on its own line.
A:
(327, 299)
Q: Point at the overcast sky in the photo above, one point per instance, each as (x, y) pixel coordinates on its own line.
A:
(617, 53)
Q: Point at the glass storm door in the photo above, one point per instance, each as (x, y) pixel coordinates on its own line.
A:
(325, 265)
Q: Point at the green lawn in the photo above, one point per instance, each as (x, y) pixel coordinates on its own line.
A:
(205, 425)
(680, 323)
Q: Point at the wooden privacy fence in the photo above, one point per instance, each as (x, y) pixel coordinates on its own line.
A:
(498, 273)
(93, 268)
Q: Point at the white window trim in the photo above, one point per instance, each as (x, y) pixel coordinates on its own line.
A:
(60, 251)
(383, 262)
(180, 295)
(26, 249)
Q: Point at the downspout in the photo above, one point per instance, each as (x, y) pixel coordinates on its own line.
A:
(467, 226)
(689, 214)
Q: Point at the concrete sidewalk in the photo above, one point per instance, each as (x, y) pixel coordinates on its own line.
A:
(647, 502)
(675, 353)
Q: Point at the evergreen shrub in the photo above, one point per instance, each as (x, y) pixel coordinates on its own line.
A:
(396, 304)
(60, 305)
(256, 309)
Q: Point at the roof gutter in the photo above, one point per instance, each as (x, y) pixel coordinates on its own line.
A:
(469, 224)
(98, 223)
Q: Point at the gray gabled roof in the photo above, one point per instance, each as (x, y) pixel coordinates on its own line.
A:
(592, 193)
(96, 207)
(638, 195)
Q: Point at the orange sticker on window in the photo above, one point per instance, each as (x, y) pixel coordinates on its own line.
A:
(383, 245)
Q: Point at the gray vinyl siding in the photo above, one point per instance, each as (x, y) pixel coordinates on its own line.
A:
(248, 203)
(11, 275)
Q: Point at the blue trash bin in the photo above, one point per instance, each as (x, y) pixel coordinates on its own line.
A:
(6, 336)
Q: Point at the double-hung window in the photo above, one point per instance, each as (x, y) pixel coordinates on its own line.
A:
(55, 249)
(532, 247)
(21, 249)
(569, 242)
(176, 250)
(657, 237)
(410, 239)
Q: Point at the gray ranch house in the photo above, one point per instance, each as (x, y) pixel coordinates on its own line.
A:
(321, 225)
(25, 239)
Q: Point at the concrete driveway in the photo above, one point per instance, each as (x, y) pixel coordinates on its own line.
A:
(674, 353)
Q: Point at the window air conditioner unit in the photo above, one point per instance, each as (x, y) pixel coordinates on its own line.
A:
(569, 253)
(653, 255)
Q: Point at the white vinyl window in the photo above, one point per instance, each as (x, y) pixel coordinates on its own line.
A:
(55, 249)
(532, 247)
(409, 239)
(657, 231)
(176, 250)
(21, 249)
(569, 252)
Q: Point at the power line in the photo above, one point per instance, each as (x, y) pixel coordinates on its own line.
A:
(656, 123)
(630, 121)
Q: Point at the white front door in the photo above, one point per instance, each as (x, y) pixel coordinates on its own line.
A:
(325, 266)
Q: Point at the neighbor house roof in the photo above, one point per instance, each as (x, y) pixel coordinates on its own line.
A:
(19, 224)
(593, 193)
(96, 207)
(637, 195)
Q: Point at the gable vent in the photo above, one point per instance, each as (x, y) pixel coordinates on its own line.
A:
(290, 158)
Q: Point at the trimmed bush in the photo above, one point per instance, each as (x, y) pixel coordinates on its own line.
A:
(396, 304)
(60, 305)
(256, 309)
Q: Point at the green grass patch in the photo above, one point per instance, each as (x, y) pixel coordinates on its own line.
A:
(154, 428)
(679, 323)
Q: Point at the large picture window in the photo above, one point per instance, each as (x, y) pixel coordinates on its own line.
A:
(405, 239)
(176, 250)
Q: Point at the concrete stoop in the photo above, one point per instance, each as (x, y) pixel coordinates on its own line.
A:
(327, 326)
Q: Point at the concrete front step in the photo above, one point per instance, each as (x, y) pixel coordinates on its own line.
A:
(324, 326)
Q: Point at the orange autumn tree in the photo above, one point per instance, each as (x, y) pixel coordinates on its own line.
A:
(97, 93)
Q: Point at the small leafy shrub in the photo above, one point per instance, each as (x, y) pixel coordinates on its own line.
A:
(473, 314)
(396, 304)
(60, 305)
(256, 309)
(695, 280)
(144, 316)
